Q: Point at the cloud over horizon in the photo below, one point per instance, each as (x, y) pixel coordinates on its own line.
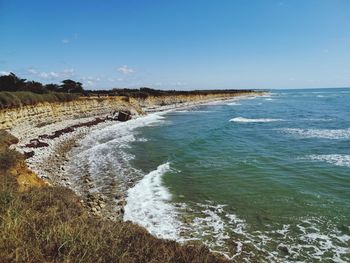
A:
(126, 70)
(2, 73)
(52, 75)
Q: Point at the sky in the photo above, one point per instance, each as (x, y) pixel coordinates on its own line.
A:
(178, 44)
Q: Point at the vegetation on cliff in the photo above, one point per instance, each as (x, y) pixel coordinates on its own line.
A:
(13, 83)
(21, 98)
(49, 224)
(15, 92)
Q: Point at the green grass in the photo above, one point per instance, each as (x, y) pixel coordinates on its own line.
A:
(49, 224)
(20, 98)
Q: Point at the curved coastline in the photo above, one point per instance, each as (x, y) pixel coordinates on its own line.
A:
(51, 163)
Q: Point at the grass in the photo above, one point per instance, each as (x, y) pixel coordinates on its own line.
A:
(20, 98)
(49, 224)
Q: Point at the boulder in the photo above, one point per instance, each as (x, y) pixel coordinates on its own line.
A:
(35, 143)
(124, 116)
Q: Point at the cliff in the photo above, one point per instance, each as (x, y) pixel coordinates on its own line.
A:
(46, 113)
(42, 114)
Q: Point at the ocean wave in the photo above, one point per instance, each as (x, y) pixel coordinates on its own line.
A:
(102, 156)
(148, 205)
(193, 111)
(233, 104)
(336, 159)
(318, 133)
(242, 119)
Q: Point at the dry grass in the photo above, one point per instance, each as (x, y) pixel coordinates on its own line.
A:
(49, 224)
(20, 98)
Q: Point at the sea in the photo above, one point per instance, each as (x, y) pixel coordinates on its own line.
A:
(256, 178)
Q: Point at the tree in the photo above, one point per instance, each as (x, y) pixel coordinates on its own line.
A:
(71, 86)
(11, 83)
(35, 87)
(52, 87)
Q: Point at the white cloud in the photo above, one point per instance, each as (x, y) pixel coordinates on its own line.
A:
(52, 75)
(4, 73)
(167, 85)
(126, 70)
(70, 39)
(90, 81)
(32, 71)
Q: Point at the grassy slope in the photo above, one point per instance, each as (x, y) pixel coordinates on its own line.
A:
(20, 98)
(49, 224)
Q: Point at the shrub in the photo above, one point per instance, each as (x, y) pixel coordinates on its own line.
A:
(6, 139)
(8, 158)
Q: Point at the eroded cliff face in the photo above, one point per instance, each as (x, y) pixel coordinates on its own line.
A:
(47, 113)
(27, 117)
(154, 101)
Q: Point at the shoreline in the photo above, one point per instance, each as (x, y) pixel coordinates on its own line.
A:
(49, 160)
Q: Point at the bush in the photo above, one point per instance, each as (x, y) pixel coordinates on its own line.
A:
(8, 158)
(6, 139)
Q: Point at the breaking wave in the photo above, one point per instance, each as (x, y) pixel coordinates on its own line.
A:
(148, 205)
(242, 119)
(233, 104)
(102, 157)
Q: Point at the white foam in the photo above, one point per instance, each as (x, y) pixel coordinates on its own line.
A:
(318, 119)
(336, 159)
(242, 119)
(233, 104)
(319, 133)
(148, 205)
(214, 227)
(102, 155)
(193, 111)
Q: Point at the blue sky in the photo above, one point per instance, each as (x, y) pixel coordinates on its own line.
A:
(180, 44)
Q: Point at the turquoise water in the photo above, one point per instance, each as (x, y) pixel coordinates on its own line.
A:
(260, 179)
(257, 178)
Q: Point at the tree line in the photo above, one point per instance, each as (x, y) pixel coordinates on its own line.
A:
(13, 83)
